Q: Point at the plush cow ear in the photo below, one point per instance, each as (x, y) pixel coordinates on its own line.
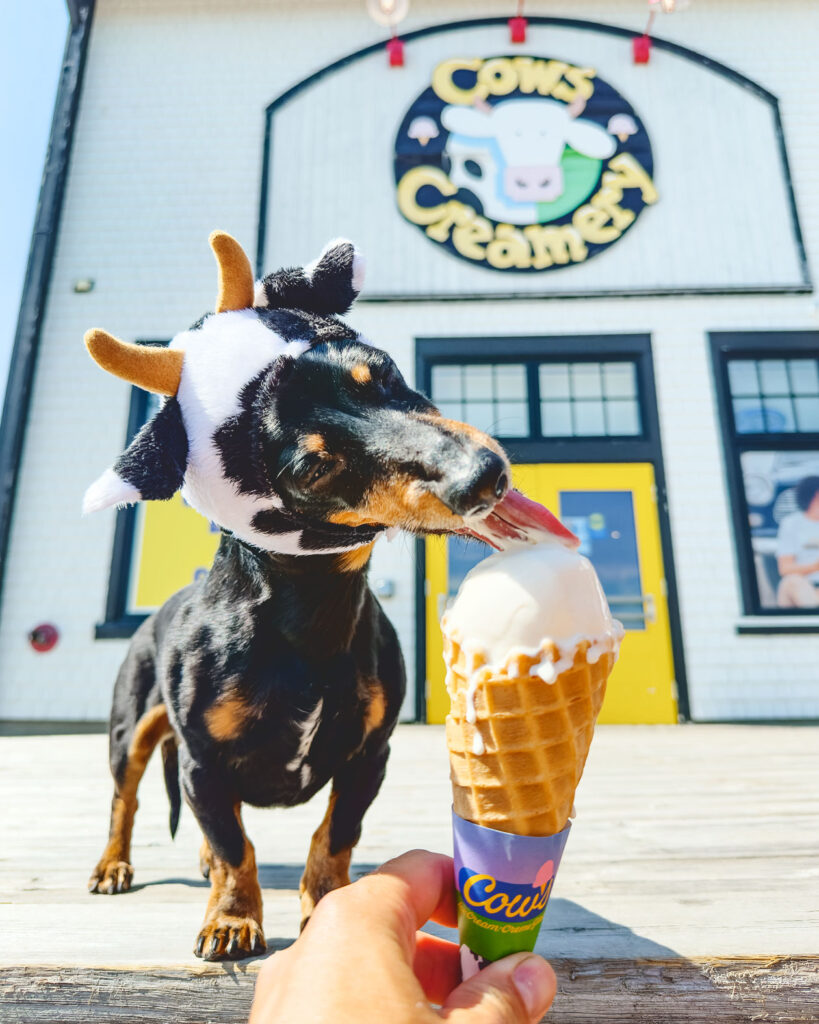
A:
(336, 276)
(327, 286)
(152, 467)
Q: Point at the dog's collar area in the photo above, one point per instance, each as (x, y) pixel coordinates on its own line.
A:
(313, 538)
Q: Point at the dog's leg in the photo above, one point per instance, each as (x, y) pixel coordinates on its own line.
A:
(113, 873)
(205, 858)
(354, 789)
(232, 928)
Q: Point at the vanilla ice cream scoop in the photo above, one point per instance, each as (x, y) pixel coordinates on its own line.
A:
(515, 600)
(529, 645)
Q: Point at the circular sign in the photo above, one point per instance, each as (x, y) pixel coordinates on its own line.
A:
(522, 163)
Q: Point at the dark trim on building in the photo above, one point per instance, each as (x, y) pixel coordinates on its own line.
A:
(649, 396)
(48, 727)
(744, 630)
(634, 293)
(76, 11)
(645, 448)
(261, 235)
(726, 346)
(118, 629)
(796, 227)
(577, 23)
(38, 270)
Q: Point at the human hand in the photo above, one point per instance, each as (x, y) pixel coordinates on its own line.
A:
(362, 960)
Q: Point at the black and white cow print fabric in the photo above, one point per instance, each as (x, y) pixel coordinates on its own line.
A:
(201, 440)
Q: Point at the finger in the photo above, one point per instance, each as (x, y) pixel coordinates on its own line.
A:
(427, 881)
(268, 981)
(437, 966)
(516, 990)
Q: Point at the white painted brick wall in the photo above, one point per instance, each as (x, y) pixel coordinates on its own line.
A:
(168, 146)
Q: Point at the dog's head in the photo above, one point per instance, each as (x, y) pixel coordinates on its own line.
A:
(282, 426)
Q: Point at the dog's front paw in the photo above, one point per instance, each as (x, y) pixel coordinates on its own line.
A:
(226, 937)
(110, 877)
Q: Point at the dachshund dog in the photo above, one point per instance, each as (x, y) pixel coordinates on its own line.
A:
(278, 672)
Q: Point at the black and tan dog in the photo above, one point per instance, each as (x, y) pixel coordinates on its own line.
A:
(278, 672)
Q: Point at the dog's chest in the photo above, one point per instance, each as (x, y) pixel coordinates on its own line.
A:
(296, 735)
(278, 701)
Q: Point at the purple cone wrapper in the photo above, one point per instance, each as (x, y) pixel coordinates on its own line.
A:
(503, 884)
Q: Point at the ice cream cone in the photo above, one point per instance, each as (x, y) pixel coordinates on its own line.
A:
(529, 643)
(518, 737)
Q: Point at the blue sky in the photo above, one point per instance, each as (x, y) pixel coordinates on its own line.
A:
(31, 49)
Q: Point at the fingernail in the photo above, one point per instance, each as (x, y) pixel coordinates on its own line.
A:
(533, 980)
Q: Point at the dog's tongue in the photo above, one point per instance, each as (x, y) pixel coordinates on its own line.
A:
(517, 518)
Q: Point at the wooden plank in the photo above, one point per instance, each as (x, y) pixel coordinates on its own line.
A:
(785, 990)
(687, 893)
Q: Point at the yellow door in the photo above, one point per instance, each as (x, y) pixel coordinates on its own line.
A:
(612, 507)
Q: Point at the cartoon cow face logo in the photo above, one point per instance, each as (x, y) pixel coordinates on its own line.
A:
(518, 149)
(522, 163)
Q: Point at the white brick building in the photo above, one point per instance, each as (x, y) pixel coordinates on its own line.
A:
(678, 363)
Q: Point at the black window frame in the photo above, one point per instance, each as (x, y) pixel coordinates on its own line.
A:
(119, 624)
(727, 346)
(646, 447)
(532, 351)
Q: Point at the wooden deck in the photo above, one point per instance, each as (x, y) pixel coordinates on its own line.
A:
(689, 891)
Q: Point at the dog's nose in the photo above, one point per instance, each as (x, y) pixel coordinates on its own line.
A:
(478, 491)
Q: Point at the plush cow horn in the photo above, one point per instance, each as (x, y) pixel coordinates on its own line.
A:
(151, 367)
(235, 273)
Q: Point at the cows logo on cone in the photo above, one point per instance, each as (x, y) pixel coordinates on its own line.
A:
(522, 163)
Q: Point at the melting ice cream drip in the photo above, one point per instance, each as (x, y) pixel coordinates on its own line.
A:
(533, 602)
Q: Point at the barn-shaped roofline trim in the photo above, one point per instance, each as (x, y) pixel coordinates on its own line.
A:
(37, 280)
(578, 23)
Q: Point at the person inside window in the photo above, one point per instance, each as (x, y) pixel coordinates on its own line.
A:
(797, 549)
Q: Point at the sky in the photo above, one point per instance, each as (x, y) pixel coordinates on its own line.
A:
(31, 49)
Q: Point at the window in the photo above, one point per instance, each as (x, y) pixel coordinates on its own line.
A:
(768, 389)
(492, 397)
(159, 546)
(589, 400)
(774, 396)
(540, 399)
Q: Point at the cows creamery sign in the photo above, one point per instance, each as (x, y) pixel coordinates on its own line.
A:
(522, 163)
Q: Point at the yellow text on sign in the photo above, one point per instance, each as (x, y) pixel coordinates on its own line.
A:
(600, 221)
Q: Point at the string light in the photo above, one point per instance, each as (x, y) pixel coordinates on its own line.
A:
(641, 45)
(389, 13)
(669, 6)
(517, 25)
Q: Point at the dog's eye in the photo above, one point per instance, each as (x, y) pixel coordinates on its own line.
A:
(321, 469)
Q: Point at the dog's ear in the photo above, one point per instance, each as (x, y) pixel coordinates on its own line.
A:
(152, 467)
(328, 285)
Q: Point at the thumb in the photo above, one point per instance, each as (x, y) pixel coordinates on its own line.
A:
(518, 989)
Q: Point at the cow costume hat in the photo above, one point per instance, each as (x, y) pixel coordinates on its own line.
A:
(215, 378)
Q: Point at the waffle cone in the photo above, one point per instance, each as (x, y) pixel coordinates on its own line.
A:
(535, 738)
